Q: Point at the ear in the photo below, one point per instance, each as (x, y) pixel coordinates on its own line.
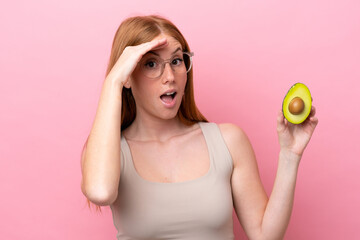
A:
(128, 83)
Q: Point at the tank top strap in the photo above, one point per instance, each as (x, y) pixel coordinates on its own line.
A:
(217, 146)
(125, 156)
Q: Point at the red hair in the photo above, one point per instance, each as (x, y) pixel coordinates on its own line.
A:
(137, 30)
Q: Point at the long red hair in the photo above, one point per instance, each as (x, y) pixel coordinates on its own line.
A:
(137, 30)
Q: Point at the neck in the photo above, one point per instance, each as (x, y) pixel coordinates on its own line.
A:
(151, 129)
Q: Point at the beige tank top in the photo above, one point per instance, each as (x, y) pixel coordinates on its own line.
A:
(196, 209)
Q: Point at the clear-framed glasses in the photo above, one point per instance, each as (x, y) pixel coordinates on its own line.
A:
(153, 66)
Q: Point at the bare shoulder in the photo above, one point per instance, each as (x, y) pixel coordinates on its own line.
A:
(232, 134)
(236, 140)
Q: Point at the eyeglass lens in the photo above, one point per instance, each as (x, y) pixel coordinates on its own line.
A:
(153, 67)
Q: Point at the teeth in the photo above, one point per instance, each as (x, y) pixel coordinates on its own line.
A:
(168, 94)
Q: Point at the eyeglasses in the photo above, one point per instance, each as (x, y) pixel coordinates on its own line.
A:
(153, 66)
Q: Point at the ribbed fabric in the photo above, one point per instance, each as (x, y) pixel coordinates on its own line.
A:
(192, 210)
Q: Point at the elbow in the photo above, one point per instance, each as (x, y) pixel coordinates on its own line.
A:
(271, 236)
(99, 195)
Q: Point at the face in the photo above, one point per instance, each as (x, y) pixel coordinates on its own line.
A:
(160, 96)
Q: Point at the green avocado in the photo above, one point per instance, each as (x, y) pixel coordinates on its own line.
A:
(297, 102)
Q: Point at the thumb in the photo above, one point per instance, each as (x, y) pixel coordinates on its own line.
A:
(280, 122)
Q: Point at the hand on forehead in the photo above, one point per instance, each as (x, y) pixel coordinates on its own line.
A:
(169, 48)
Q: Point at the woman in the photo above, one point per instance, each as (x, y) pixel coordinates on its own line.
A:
(165, 171)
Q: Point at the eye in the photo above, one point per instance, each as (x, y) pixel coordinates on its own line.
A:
(151, 64)
(177, 61)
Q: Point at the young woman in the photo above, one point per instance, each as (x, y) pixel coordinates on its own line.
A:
(165, 171)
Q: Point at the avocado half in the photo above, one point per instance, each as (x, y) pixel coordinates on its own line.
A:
(297, 102)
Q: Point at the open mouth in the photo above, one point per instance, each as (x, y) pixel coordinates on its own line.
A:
(168, 97)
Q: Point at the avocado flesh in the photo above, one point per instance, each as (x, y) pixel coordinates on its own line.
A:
(302, 91)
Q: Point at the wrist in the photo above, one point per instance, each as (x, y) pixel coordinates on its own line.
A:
(112, 89)
(289, 156)
(113, 83)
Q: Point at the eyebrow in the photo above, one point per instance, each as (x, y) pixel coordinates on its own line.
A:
(178, 49)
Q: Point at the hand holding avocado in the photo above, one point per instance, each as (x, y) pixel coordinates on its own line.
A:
(296, 122)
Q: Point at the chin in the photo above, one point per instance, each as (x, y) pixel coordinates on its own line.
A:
(170, 114)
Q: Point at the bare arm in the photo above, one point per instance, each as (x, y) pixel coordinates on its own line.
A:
(279, 207)
(101, 159)
(260, 216)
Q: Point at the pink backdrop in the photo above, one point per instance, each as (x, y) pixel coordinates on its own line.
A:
(53, 56)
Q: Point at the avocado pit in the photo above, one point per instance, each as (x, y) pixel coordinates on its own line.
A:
(296, 106)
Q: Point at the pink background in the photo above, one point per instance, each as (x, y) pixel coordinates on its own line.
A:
(53, 56)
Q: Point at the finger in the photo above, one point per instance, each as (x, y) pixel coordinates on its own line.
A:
(280, 116)
(148, 46)
(286, 122)
(314, 120)
(142, 49)
(313, 111)
(154, 44)
(163, 43)
(280, 121)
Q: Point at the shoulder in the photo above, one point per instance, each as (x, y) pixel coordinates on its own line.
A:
(232, 134)
(236, 140)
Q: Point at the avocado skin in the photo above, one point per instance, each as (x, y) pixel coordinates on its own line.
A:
(297, 90)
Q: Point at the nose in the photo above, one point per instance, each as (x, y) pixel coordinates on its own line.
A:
(168, 74)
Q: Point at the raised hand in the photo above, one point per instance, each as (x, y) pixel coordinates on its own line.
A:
(295, 137)
(130, 57)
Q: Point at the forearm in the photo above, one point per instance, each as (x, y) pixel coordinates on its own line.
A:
(279, 206)
(101, 164)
